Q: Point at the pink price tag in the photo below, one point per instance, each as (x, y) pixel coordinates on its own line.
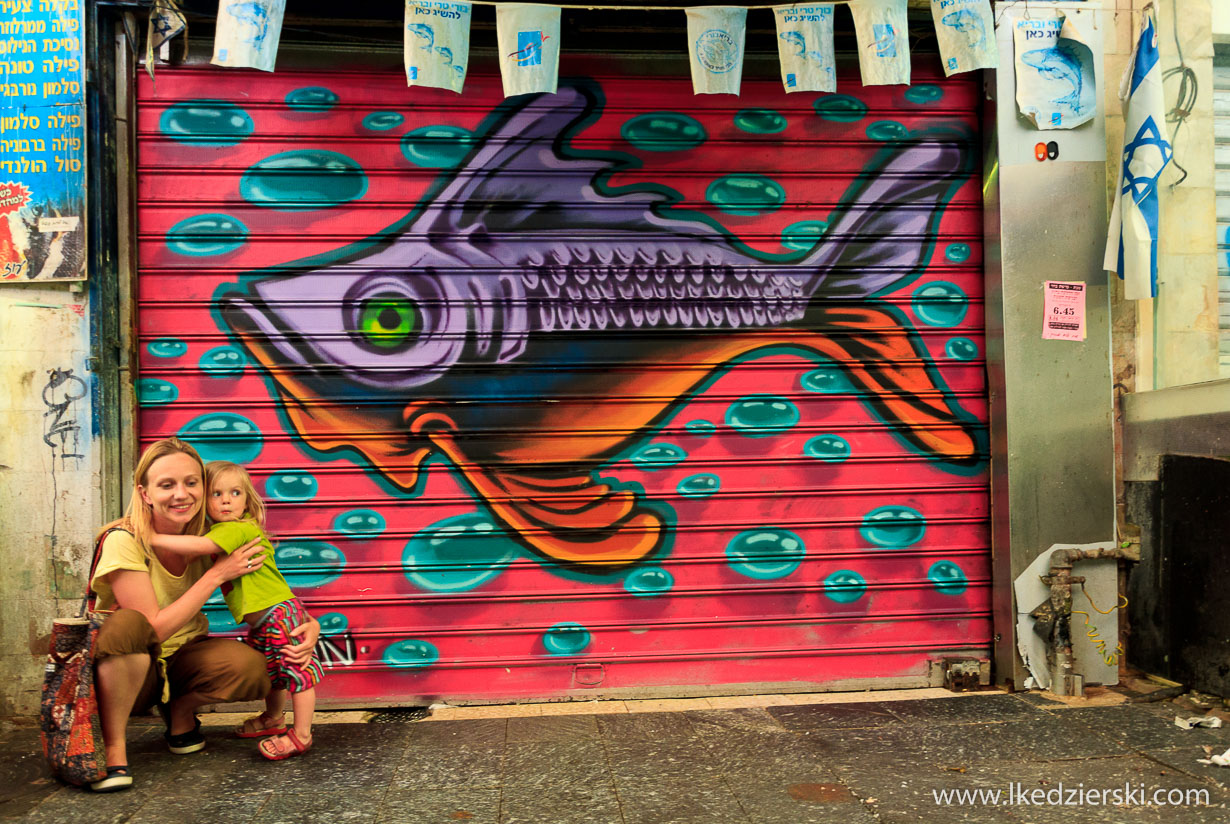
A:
(1063, 309)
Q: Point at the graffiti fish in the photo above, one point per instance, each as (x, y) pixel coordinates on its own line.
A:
(966, 22)
(423, 32)
(254, 16)
(530, 325)
(1062, 65)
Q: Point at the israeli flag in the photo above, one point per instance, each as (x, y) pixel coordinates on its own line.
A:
(715, 48)
(528, 40)
(247, 32)
(1131, 244)
(883, 41)
(436, 45)
(805, 47)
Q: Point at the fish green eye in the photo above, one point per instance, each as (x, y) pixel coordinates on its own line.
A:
(388, 320)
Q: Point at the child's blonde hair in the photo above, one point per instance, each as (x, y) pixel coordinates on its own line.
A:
(216, 469)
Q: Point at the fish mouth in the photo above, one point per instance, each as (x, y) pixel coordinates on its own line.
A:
(327, 422)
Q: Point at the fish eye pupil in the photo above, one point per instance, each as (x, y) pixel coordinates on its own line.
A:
(388, 320)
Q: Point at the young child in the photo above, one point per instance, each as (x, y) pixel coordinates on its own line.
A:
(264, 601)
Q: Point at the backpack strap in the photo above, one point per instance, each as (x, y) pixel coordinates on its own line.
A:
(90, 597)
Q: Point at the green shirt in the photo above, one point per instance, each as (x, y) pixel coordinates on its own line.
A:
(257, 591)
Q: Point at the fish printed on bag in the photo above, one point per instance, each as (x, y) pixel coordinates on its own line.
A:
(475, 328)
(967, 22)
(1062, 65)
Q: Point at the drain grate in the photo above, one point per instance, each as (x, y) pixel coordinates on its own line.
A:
(400, 716)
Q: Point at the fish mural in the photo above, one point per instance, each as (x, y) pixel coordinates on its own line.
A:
(1061, 65)
(523, 274)
(967, 22)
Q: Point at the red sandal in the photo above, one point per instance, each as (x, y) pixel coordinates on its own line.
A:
(250, 728)
(275, 752)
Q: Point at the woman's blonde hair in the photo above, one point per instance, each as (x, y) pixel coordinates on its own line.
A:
(216, 469)
(138, 518)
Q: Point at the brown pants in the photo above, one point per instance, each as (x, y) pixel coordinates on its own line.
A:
(221, 670)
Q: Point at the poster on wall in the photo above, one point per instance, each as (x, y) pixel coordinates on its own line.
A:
(1055, 84)
(42, 143)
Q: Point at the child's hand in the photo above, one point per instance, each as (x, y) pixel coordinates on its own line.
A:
(248, 558)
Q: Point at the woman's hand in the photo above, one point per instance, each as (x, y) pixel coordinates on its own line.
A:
(248, 558)
(308, 634)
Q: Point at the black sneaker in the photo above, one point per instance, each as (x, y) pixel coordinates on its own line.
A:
(186, 742)
(117, 778)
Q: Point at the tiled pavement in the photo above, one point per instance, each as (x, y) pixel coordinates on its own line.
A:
(791, 763)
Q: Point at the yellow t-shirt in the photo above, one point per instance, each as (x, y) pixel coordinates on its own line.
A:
(123, 551)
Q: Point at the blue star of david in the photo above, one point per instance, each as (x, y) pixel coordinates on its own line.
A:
(1140, 186)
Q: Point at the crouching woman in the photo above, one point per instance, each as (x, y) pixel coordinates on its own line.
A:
(154, 647)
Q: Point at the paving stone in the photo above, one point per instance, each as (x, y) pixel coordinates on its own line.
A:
(440, 806)
(319, 804)
(810, 717)
(478, 732)
(975, 708)
(1140, 729)
(1184, 760)
(659, 726)
(552, 728)
(679, 800)
(594, 803)
(450, 768)
(940, 744)
(824, 802)
(648, 759)
(908, 791)
(1044, 739)
(553, 764)
(194, 806)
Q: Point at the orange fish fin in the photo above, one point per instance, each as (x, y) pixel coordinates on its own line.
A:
(575, 519)
(880, 356)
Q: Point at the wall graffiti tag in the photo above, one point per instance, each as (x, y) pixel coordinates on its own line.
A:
(61, 431)
(611, 376)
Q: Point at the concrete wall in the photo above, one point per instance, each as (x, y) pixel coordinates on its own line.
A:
(1171, 340)
(49, 476)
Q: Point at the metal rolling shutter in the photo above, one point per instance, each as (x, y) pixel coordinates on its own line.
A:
(561, 396)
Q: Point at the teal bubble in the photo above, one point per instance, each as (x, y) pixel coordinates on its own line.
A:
(383, 121)
(223, 362)
(828, 448)
(291, 486)
(841, 108)
(699, 486)
(827, 379)
(663, 132)
(206, 235)
(803, 235)
(760, 416)
(893, 526)
(745, 194)
(765, 554)
(220, 620)
(457, 554)
(303, 180)
(206, 123)
(155, 392)
(359, 522)
(947, 577)
(924, 93)
(437, 147)
(223, 436)
(961, 349)
(167, 348)
(760, 121)
(311, 99)
(957, 252)
(410, 654)
(699, 428)
(845, 586)
(309, 563)
(887, 130)
(658, 456)
(333, 623)
(940, 303)
(566, 639)
(648, 582)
